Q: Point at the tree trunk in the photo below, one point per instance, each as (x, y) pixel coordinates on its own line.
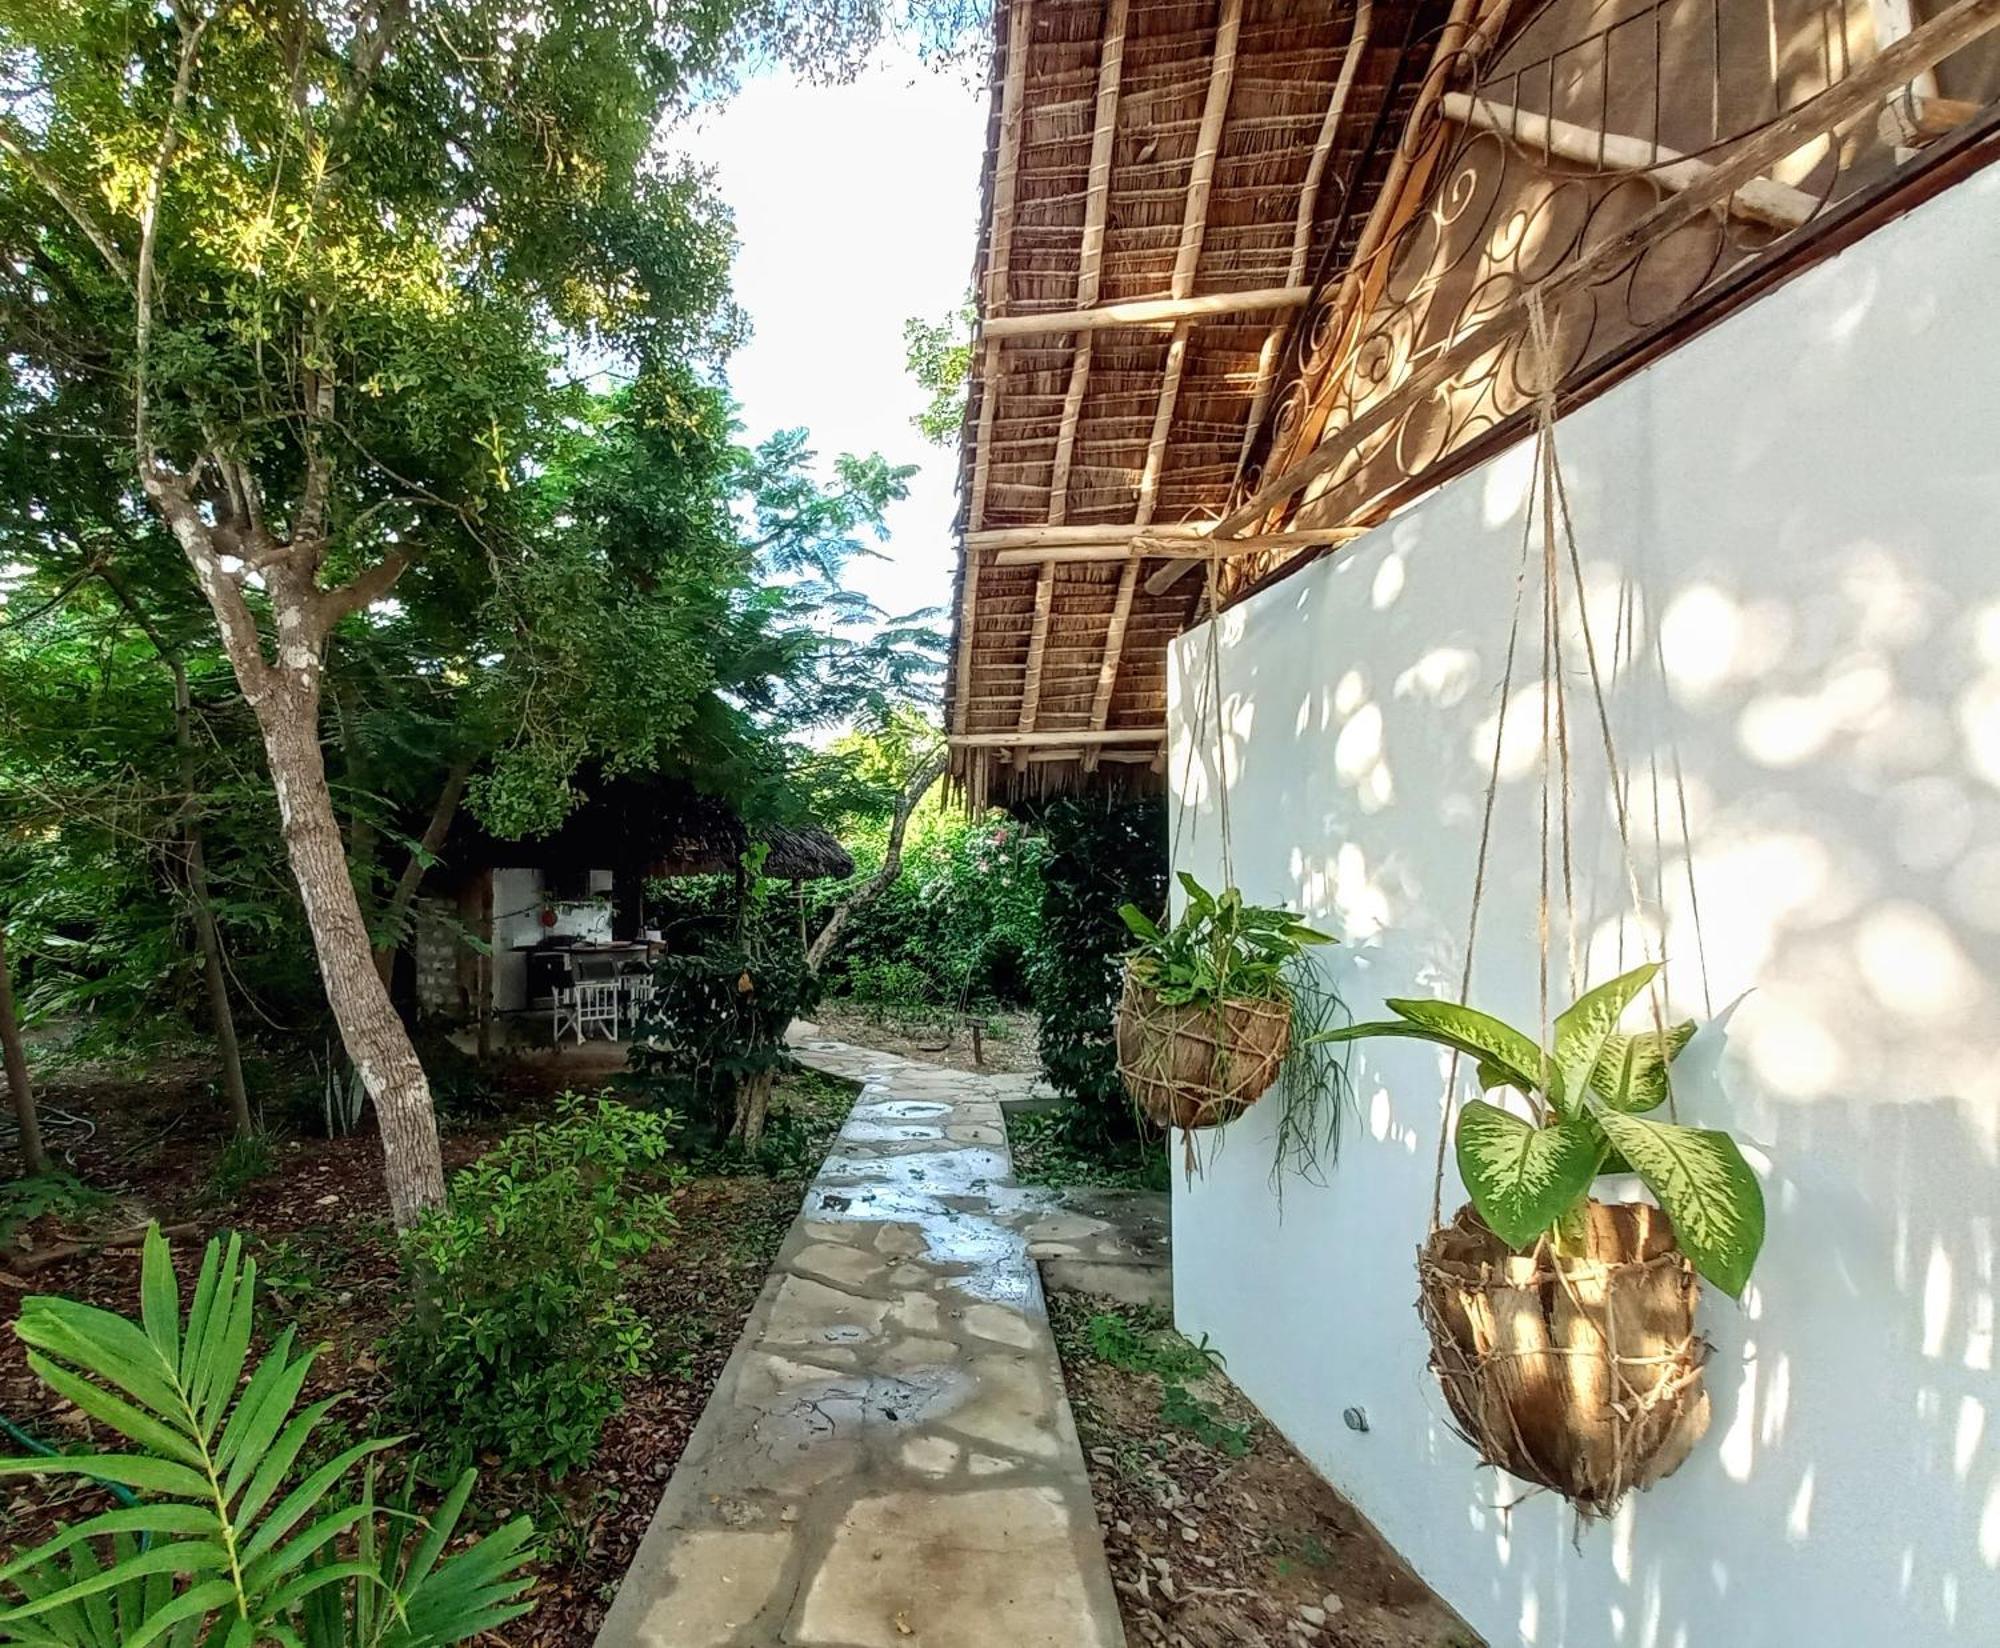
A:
(753, 1105)
(287, 707)
(220, 1014)
(397, 910)
(33, 1158)
(892, 862)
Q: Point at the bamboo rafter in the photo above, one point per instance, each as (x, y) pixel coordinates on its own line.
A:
(1187, 258)
(1329, 127)
(1090, 263)
(999, 253)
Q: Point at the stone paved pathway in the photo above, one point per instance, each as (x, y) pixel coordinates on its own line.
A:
(888, 1460)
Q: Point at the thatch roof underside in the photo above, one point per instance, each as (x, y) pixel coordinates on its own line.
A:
(1195, 158)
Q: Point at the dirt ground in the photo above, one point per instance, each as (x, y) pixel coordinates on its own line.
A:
(317, 1225)
(1007, 1040)
(1212, 1550)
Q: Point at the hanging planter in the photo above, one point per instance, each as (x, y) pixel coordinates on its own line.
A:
(1562, 1328)
(1196, 1065)
(1578, 1370)
(1205, 1017)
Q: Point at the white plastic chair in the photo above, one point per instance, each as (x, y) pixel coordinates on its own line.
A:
(597, 1008)
(562, 1013)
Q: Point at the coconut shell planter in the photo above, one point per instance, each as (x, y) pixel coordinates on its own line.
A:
(1197, 1066)
(1562, 1327)
(1580, 1372)
(1205, 1017)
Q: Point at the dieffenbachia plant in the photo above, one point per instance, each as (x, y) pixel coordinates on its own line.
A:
(1594, 1088)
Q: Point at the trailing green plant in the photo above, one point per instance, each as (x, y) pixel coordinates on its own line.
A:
(524, 1338)
(1221, 949)
(1589, 1093)
(235, 1543)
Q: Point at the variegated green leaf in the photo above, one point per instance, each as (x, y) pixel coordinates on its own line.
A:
(1492, 1041)
(1522, 1177)
(1631, 1072)
(1706, 1187)
(1581, 1029)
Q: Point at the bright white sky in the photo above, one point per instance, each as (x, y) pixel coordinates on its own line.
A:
(856, 207)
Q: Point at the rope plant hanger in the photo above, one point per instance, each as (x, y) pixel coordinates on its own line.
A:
(1207, 1016)
(1562, 1328)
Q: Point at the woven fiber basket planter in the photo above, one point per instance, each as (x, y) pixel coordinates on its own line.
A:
(1194, 1067)
(1581, 1373)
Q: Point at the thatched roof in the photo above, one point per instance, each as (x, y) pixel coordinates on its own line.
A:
(1204, 162)
(1255, 273)
(656, 827)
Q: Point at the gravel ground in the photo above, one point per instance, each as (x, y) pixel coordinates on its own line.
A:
(1218, 1534)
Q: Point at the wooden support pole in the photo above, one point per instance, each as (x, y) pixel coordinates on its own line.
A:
(1776, 205)
(1148, 312)
(1950, 31)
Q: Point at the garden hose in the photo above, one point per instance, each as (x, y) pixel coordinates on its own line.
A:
(125, 1496)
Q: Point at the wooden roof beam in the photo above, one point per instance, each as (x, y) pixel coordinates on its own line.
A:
(1056, 740)
(1144, 546)
(1761, 200)
(1144, 312)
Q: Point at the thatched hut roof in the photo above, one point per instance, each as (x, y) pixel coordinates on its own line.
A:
(1205, 162)
(656, 827)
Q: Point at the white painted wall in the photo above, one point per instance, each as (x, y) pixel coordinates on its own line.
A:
(1807, 500)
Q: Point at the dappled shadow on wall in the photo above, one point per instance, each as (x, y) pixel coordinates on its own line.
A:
(1804, 689)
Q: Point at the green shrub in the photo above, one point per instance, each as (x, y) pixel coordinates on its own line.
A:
(1102, 855)
(957, 927)
(712, 1040)
(242, 1162)
(237, 1539)
(523, 1339)
(22, 1201)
